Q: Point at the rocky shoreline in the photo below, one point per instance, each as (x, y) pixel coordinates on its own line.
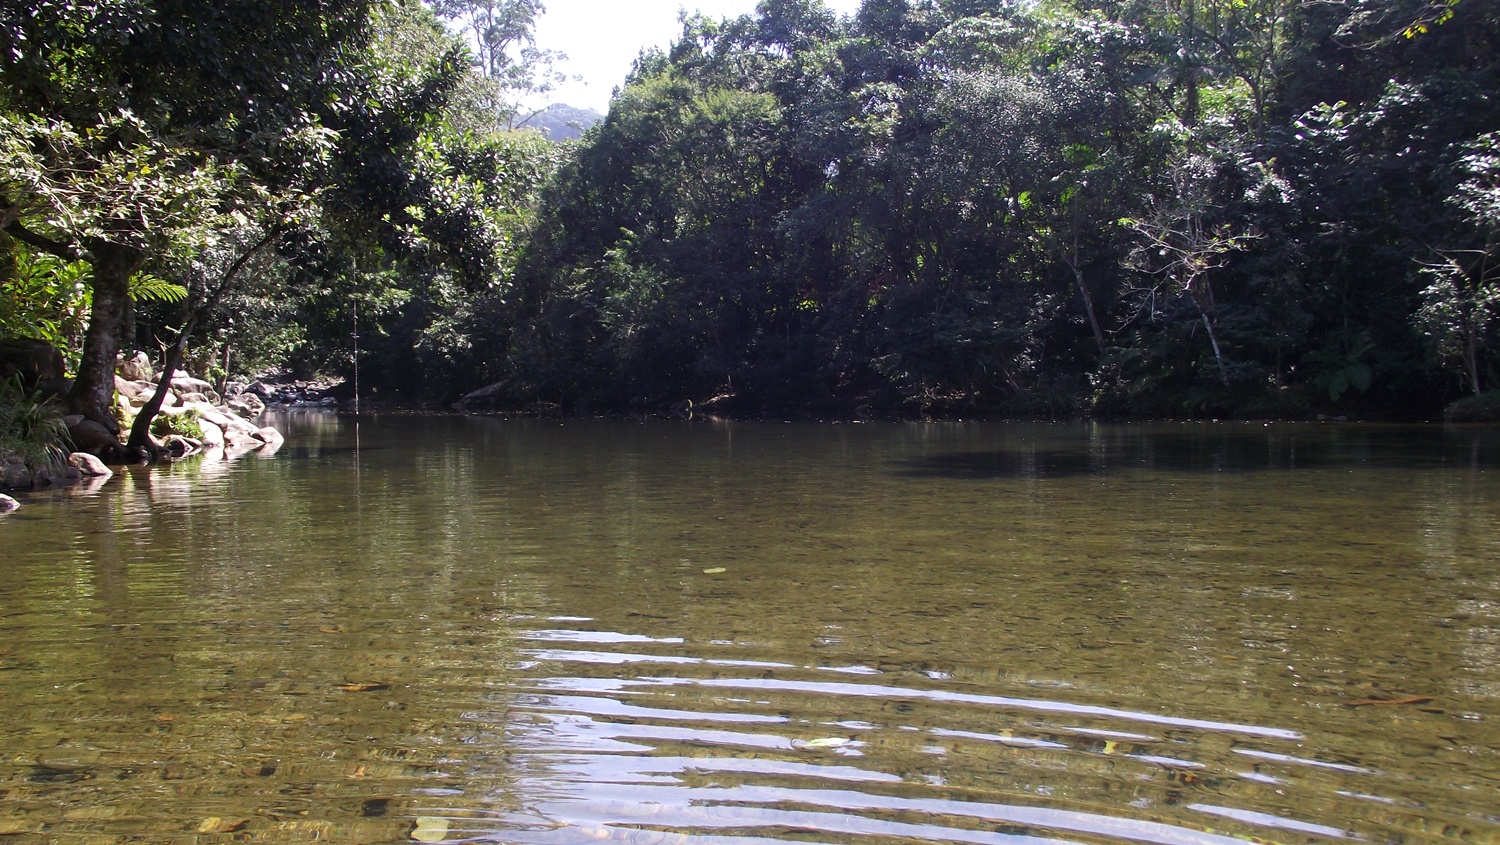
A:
(194, 421)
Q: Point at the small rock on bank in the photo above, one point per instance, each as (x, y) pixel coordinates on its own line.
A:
(89, 466)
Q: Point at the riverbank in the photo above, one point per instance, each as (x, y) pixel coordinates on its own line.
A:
(194, 419)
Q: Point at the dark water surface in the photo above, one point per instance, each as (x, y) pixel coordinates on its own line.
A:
(549, 633)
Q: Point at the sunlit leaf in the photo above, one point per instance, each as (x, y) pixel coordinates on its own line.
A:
(825, 742)
(430, 829)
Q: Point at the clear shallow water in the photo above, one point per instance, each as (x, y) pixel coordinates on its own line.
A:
(743, 634)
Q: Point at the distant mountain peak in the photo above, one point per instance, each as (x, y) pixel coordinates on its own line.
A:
(562, 122)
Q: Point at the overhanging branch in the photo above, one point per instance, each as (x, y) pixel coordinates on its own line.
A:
(17, 230)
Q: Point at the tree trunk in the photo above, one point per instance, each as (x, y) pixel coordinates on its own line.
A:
(1471, 354)
(94, 390)
(1214, 341)
(140, 430)
(1088, 305)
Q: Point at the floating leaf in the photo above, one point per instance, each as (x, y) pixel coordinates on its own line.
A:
(825, 742)
(716, 570)
(214, 824)
(430, 829)
(367, 687)
(1388, 702)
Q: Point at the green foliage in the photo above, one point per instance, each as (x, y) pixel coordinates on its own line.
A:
(44, 297)
(186, 424)
(1484, 408)
(145, 287)
(1148, 208)
(918, 210)
(31, 428)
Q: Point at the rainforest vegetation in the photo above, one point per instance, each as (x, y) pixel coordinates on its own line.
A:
(1043, 208)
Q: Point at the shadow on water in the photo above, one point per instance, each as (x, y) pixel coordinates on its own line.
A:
(1234, 450)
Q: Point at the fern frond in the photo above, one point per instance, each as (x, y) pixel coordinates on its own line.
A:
(145, 287)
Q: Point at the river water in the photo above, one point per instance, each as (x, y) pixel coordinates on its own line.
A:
(552, 632)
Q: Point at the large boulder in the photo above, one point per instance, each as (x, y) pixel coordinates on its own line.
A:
(213, 436)
(126, 387)
(184, 384)
(248, 404)
(89, 436)
(36, 360)
(135, 367)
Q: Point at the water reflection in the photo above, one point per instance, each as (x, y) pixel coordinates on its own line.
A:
(569, 631)
(1060, 453)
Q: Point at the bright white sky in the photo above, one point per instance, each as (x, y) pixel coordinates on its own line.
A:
(603, 37)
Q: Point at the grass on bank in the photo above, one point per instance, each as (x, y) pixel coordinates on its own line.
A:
(32, 429)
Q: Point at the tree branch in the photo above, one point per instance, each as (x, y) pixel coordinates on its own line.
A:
(17, 230)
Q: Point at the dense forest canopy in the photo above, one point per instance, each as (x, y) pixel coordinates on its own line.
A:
(1045, 208)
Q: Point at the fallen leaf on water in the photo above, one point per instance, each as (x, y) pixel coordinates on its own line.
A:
(1370, 702)
(214, 824)
(332, 629)
(68, 759)
(430, 829)
(826, 742)
(716, 570)
(364, 687)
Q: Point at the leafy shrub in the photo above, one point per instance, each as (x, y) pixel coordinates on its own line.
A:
(31, 429)
(1484, 408)
(184, 425)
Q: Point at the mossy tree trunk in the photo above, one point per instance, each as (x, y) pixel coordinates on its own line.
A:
(93, 391)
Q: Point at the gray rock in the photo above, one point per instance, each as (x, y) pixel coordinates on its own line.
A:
(91, 437)
(184, 384)
(178, 446)
(89, 466)
(35, 360)
(135, 367)
(213, 436)
(248, 404)
(14, 475)
(241, 427)
(212, 414)
(237, 438)
(7, 504)
(270, 436)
